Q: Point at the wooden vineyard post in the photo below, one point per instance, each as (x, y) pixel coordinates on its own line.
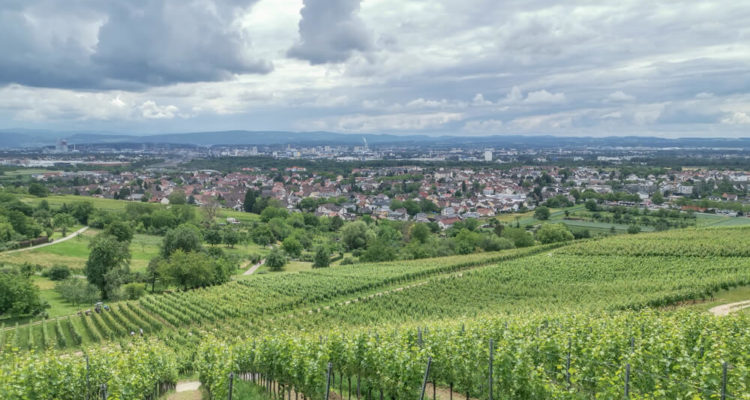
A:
(627, 381)
(426, 376)
(567, 366)
(231, 384)
(492, 349)
(88, 389)
(328, 380)
(724, 380)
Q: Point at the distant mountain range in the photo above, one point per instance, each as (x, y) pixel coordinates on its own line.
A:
(23, 138)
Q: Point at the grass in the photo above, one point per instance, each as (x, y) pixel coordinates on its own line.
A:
(75, 252)
(57, 201)
(733, 295)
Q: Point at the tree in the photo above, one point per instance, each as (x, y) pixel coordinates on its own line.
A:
(657, 198)
(498, 229)
(194, 269)
(356, 235)
(542, 213)
(19, 295)
(275, 260)
(591, 205)
(210, 208)
(518, 236)
(82, 210)
(212, 236)
(185, 237)
(262, 235)
(177, 197)
(307, 204)
(121, 230)
(108, 262)
(420, 232)
(63, 221)
(231, 237)
(58, 273)
(553, 233)
(292, 246)
(322, 257)
(249, 203)
(77, 291)
(633, 229)
(466, 241)
(38, 190)
(152, 271)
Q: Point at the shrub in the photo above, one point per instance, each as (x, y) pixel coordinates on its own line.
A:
(133, 291)
(57, 273)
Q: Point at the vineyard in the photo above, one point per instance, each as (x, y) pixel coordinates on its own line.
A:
(566, 322)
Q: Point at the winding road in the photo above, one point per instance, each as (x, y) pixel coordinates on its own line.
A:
(71, 236)
(726, 309)
(254, 267)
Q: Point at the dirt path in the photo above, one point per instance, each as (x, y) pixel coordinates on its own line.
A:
(254, 267)
(187, 386)
(71, 236)
(726, 309)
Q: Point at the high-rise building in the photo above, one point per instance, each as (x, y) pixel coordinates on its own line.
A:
(488, 155)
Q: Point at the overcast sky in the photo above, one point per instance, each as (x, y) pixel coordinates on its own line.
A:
(463, 67)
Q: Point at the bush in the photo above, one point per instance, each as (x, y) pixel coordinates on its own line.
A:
(57, 273)
(348, 261)
(322, 257)
(133, 291)
(553, 233)
(276, 260)
(633, 229)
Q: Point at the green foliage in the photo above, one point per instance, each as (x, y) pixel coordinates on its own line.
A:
(77, 291)
(633, 229)
(19, 296)
(63, 221)
(133, 291)
(194, 269)
(541, 213)
(107, 263)
(553, 233)
(120, 230)
(275, 260)
(177, 197)
(322, 257)
(38, 190)
(249, 202)
(518, 236)
(292, 247)
(212, 236)
(185, 237)
(657, 198)
(57, 273)
(356, 235)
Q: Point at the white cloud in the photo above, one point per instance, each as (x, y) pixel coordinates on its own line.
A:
(387, 122)
(151, 110)
(480, 101)
(620, 96)
(736, 118)
(543, 96)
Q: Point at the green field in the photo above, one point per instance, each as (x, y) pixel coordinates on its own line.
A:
(639, 300)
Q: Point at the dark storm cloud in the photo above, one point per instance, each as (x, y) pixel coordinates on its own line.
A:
(123, 43)
(330, 31)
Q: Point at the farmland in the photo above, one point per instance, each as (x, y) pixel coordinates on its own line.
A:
(538, 304)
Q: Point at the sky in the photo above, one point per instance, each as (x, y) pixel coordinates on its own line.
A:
(437, 67)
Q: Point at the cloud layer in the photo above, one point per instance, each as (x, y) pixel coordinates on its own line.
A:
(433, 66)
